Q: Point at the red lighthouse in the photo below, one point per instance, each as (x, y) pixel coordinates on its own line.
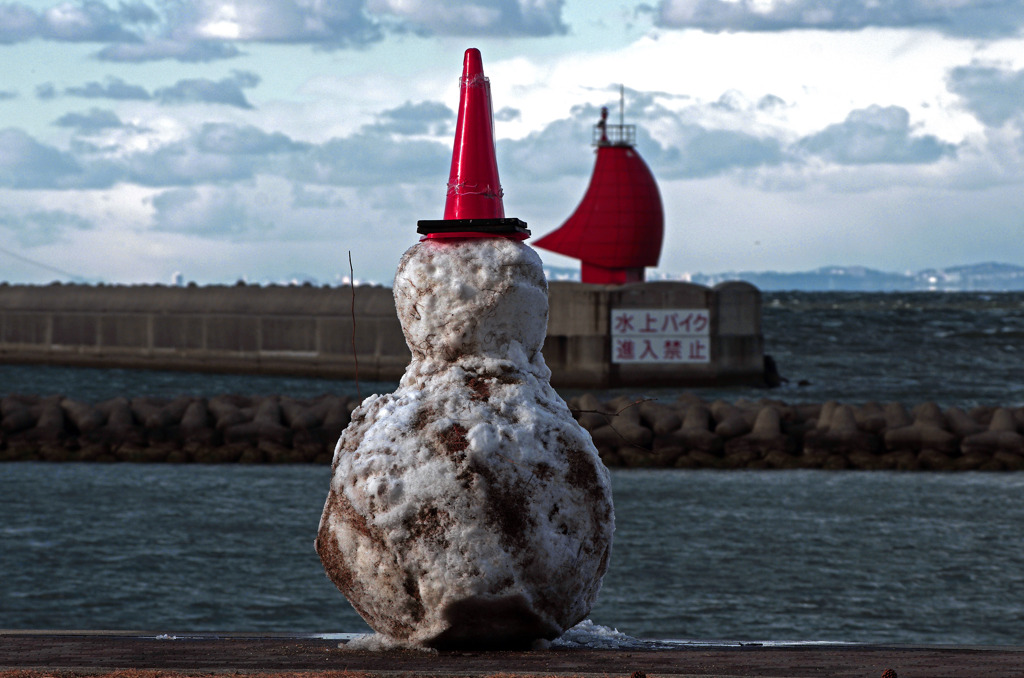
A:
(618, 227)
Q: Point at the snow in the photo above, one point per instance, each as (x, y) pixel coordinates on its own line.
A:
(468, 508)
(585, 635)
(483, 297)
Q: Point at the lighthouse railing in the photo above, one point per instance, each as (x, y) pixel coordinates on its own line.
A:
(614, 135)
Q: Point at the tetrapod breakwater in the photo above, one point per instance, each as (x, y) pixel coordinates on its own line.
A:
(771, 434)
(687, 433)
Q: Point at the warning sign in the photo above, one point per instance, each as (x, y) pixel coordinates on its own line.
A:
(660, 335)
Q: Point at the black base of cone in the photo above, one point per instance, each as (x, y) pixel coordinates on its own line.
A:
(503, 226)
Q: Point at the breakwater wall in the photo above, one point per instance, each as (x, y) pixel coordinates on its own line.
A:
(329, 332)
(304, 331)
(686, 433)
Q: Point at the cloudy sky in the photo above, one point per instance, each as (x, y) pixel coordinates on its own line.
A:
(267, 139)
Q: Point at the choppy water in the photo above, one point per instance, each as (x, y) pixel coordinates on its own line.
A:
(961, 349)
(801, 555)
(785, 556)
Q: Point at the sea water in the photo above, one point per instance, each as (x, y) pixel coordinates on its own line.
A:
(698, 555)
(795, 555)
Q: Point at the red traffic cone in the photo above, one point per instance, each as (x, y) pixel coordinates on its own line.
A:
(473, 207)
(474, 191)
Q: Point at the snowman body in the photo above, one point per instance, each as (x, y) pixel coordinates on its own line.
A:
(468, 508)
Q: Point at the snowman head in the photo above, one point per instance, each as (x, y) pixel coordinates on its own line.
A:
(476, 297)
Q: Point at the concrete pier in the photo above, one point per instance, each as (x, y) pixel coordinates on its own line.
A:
(308, 331)
(32, 654)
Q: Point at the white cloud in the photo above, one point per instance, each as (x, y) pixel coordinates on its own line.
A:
(426, 117)
(707, 152)
(367, 159)
(338, 23)
(26, 163)
(680, 136)
(87, 21)
(307, 197)
(46, 90)
(543, 154)
(84, 21)
(245, 140)
(214, 153)
(17, 22)
(42, 227)
(85, 123)
(875, 135)
(209, 30)
(476, 17)
(157, 49)
(718, 224)
(993, 93)
(227, 91)
(183, 164)
(987, 18)
(114, 88)
(724, 136)
(209, 213)
(809, 142)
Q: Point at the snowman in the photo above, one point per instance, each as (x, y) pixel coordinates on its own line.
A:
(468, 509)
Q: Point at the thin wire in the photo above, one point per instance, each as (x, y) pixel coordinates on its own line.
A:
(40, 264)
(622, 104)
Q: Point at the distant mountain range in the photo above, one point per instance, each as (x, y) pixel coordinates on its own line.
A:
(986, 277)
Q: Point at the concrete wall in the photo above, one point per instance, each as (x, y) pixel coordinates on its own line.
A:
(288, 330)
(308, 330)
(579, 352)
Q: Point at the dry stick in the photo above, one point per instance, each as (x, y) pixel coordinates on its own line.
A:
(607, 416)
(355, 355)
(639, 401)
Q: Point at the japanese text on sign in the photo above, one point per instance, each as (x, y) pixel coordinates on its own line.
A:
(661, 335)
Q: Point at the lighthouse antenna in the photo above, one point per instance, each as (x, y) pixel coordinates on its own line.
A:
(622, 104)
(607, 134)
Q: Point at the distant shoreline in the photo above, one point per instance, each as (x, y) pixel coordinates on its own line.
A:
(984, 277)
